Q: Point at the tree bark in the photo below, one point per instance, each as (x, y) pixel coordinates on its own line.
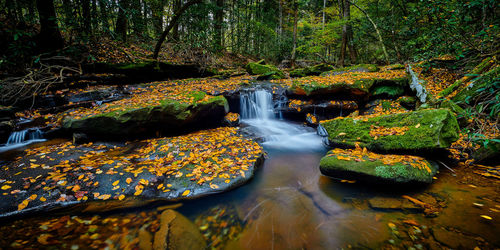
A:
(218, 25)
(171, 24)
(49, 37)
(376, 30)
(87, 28)
(295, 22)
(343, 46)
(122, 20)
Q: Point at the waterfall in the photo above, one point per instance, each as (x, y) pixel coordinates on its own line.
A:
(22, 138)
(258, 111)
(24, 135)
(256, 105)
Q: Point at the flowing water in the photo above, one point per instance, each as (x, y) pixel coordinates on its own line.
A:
(22, 138)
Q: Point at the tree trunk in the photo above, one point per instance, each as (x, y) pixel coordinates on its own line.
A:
(49, 37)
(157, 13)
(122, 20)
(171, 24)
(87, 29)
(376, 30)
(295, 21)
(349, 33)
(104, 15)
(343, 46)
(175, 29)
(218, 25)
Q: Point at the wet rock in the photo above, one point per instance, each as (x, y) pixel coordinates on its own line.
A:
(97, 177)
(415, 130)
(315, 70)
(7, 113)
(385, 204)
(6, 128)
(177, 232)
(80, 138)
(377, 168)
(264, 70)
(232, 119)
(145, 240)
(169, 115)
(453, 240)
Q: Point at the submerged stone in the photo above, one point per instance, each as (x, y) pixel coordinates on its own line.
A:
(414, 130)
(366, 166)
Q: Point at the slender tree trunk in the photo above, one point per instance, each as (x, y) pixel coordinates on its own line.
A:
(350, 35)
(104, 15)
(122, 20)
(218, 25)
(49, 37)
(343, 46)
(171, 24)
(87, 20)
(376, 30)
(175, 29)
(295, 21)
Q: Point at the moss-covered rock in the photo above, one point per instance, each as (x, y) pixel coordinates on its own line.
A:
(415, 130)
(169, 115)
(260, 69)
(315, 70)
(409, 102)
(354, 68)
(390, 91)
(488, 153)
(366, 166)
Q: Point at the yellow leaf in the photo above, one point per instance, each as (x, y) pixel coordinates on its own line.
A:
(486, 217)
(43, 199)
(185, 193)
(417, 126)
(121, 197)
(5, 187)
(116, 182)
(128, 180)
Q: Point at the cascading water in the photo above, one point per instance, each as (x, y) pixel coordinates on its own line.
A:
(23, 138)
(257, 110)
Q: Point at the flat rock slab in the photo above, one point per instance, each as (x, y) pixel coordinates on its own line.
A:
(414, 130)
(168, 169)
(366, 166)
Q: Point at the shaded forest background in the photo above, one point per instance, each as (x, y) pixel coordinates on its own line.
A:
(341, 32)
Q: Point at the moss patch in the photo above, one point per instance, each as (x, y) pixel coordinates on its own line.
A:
(377, 168)
(426, 129)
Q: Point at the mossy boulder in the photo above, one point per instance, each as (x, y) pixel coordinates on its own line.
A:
(365, 166)
(315, 70)
(409, 102)
(488, 153)
(171, 116)
(415, 130)
(260, 69)
(354, 68)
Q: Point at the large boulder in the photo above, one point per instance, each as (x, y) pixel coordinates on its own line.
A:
(265, 71)
(143, 113)
(415, 130)
(366, 166)
(315, 70)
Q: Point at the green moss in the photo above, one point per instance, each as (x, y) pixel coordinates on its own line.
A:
(391, 91)
(259, 69)
(427, 129)
(375, 170)
(481, 83)
(311, 71)
(354, 68)
(480, 68)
